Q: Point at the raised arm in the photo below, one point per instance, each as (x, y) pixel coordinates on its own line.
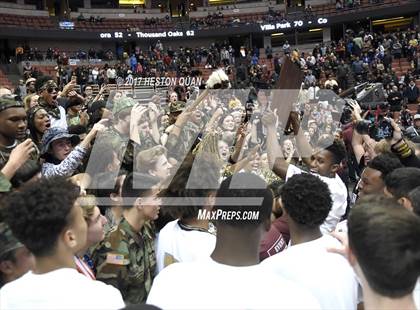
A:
(276, 160)
(302, 144)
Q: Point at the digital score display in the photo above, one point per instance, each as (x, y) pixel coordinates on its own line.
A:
(146, 35)
(294, 24)
(283, 25)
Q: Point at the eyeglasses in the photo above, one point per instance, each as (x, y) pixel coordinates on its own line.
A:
(51, 89)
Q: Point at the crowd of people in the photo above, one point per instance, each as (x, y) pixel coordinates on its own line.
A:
(268, 204)
(157, 61)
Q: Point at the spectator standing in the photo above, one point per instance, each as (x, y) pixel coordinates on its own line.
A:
(111, 74)
(286, 48)
(343, 71)
(411, 93)
(126, 258)
(13, 127)
(232, 271)
(414, 130)
(48, 220)
(306, 202)
(48, 94)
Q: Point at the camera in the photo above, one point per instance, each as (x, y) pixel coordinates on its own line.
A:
(346, 115)
(377, 130)
(249, 108)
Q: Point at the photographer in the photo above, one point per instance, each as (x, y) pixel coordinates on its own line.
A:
(414, 130)
(363, 145)
(394, 139)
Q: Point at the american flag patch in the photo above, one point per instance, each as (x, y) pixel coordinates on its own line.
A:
(116, 259)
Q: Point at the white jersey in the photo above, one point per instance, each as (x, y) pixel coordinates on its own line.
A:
(63, 288)
(416, 294)
(59, 122)
(178, 243)
(328, 276)
(209, 285)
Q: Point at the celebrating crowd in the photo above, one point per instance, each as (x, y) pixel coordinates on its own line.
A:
(216, 198)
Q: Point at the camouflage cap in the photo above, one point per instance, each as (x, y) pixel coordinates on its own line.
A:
(122, 104)
(177, 106)
(8, 242)
(9, 101)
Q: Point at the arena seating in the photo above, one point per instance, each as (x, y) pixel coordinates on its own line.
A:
(121, 24)
(37, 22)
(4, 81)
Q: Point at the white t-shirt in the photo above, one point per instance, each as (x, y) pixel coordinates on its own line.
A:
(416, 294)
(209, 285)
(59, 289)
(182, 245)
(59, 122)
(342, 227)
(111, 73)
(328, 276)
(338, 195)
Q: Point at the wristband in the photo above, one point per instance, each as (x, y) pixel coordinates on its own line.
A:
(399, 141)
(231, 161)
(403, 150)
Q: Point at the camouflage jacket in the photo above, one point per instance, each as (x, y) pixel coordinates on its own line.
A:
(178, 147)
(147, 142)
(122, 144)
(5, 154)
(127, 260)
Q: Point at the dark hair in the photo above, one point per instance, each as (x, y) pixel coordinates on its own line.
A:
(276, 187)
(306, 199)
(402, 180)
(95, 113)
(40, 81)
(385, 163)
(136, 185)
(385, 238)
(236, 194)
(77, 129)
(196, 178)
(38, 213)
(414, 197)
(30, 116)
(336, 148)
(103, 185)
(74, 101)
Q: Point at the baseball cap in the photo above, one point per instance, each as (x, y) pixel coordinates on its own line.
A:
(9, 101)
(122, 104)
